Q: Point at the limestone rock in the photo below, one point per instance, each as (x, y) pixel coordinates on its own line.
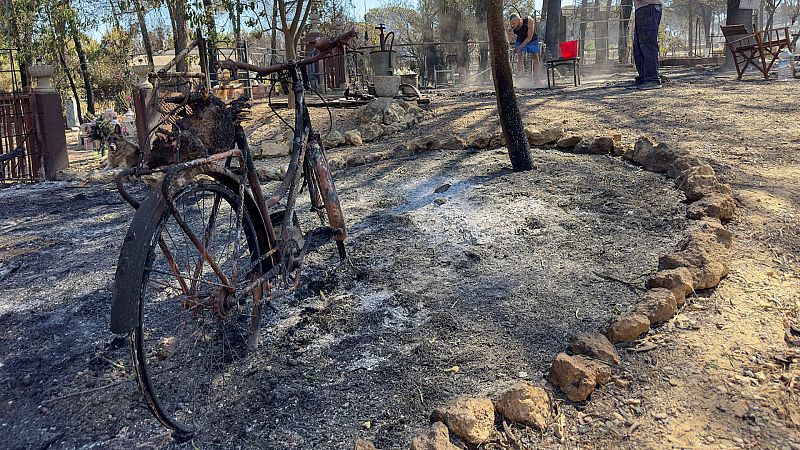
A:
(101, 176)
(391, 129)
(714, 205)
(497, 140)
(454, 143)
(409, 119)
(525, 403)
(679, 281)
(274, 149)
(707, 264)
(577, 376)
(334, 139)
(471, 419)
(69, 175)
(709, 228)
(568, 141)
(355, 160)
(658, 304)
(381, 110)
(270, 173)
(370, 131)
(436, 438)
(696, 186)
(551, 133)
(685, 165)
(353, 137)
(480, 139)
(363, 444)
(424, 143)
(655, 158)
(596, 346)
(601, 145)
(628, 328)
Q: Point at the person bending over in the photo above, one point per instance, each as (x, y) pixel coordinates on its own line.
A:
(527, 42)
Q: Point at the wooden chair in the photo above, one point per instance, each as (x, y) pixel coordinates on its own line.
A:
(759, 49)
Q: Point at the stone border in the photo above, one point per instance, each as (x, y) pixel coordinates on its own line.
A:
(699, 262)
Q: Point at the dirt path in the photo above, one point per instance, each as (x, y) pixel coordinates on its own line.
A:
(492, 278)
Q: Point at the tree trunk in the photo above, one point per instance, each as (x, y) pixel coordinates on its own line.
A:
(510, 117)
(87, 79)
(624, 31)
(148, 46)
(690, 41)
(273, 43)
(483, 35)
(551, 27)
(582, 39)
(177, 14)
(72, 86)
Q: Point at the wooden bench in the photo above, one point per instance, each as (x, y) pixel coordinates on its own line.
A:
(759, 49)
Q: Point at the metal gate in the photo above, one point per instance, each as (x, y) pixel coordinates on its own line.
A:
(19, 155)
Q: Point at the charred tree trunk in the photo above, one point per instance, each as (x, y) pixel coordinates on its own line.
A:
(510, 118)
(148, 45)
(483, 35)
(84, 64)
(551, 27)
(273, 41)
(72, 86)
(582, 41)
(177, 14)
(624, 31)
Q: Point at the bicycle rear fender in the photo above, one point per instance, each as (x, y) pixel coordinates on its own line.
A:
(127, 290)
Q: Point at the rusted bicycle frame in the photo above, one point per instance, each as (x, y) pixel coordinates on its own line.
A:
(307, 152)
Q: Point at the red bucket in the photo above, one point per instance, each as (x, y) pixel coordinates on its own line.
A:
(569, 49)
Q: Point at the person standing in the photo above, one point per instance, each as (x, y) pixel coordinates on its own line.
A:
(645, 43)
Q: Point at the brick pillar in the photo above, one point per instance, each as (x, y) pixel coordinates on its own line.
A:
(51, 138)
(147, 116)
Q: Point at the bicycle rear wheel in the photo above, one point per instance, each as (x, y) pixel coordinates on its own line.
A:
(192, 329)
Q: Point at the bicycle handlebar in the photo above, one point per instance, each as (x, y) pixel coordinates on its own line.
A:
(324, 45)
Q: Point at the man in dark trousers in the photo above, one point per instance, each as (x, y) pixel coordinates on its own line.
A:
(645, 43)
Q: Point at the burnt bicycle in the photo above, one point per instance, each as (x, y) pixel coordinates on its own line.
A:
(206, 250)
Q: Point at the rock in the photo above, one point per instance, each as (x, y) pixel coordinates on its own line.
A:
(401, 148)
(363, 444)
(440, 201)
(378, 156)
(601, 145)
(355, 160)
(424, 143)
(551, 133)
(409, 120)
(686, 164)
(497, 140)
(68, 175)
(471, 419)
(708, 229)
(101, 176)
(334, 139)
(381, 110)
(270, 173)
(582, 147)
(577, 376)
(679, 281)
(454, 143)
(568, 141)
(525, 403)
(391, 129)
(655, 158)
(596, 346)
(274, 149)
(436, 438)
(416, 111)
(370, 131)
(480, 139)
(706, 264)
(712, 205)
(696, 186)
(336, 163)
(658, 304)
(353, 137)
(628, 328)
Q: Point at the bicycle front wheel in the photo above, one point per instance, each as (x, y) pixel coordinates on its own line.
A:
(193, 329)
